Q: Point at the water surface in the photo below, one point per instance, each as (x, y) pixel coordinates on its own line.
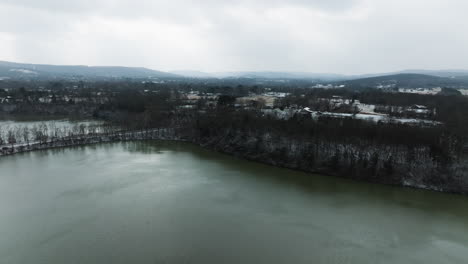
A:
(159, 202)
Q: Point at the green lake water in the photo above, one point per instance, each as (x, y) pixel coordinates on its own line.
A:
(161, 202)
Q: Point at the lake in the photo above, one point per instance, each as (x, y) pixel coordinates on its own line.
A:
(166, 202)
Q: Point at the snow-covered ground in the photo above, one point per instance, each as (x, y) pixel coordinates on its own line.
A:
(372, 117)
(280, 114)
(431, 91)
(365, 108)
(464, 92)
(23, 71)
(376, 118)
(368, 117)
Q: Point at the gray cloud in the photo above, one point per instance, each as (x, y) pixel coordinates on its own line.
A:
(142, 6)
(345, 36)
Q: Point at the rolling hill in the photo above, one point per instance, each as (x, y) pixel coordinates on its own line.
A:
(407, 80)
(41, 71)
(270, 75)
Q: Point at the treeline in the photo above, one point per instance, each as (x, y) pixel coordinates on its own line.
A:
(384, 153)
(233, 86)
(47, 131)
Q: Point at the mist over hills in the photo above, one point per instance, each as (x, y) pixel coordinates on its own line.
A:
(406, 78)
(329, 77)
(263, 75)
(441, 73)
(193, 74)
(13, 70)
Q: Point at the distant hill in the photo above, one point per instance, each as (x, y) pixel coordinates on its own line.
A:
(414, 76)
(193, 74)
(264, 75)
(41, 71)
(407, 80)
(293, 75)
(454, 74)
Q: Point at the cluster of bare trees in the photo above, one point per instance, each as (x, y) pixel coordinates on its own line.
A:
(50, 131)
(383, 152)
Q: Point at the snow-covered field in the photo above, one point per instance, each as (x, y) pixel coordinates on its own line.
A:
(24, 71)
(464, 92)
(372, 117)
(377, 118)
(431, 91)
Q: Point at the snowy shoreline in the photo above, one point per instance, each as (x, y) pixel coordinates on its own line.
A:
(173, 135)
(157, 134)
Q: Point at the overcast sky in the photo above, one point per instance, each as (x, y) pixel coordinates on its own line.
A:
(339, 36)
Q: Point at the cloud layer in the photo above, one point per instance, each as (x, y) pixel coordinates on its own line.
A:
(342, 36)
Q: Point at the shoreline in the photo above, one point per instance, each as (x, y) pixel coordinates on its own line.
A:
(169, 135)
(162, 134)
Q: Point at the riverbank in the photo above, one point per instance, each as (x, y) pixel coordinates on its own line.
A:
(243, 149)
(82, 140)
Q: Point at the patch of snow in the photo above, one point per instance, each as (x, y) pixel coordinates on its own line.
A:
(23, 71)
(464, 92)
(376, 118)
(307, 109)
(429, 91)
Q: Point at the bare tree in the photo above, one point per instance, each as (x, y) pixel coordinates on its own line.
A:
(11, 137)
(26, 134)
(2, 141)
